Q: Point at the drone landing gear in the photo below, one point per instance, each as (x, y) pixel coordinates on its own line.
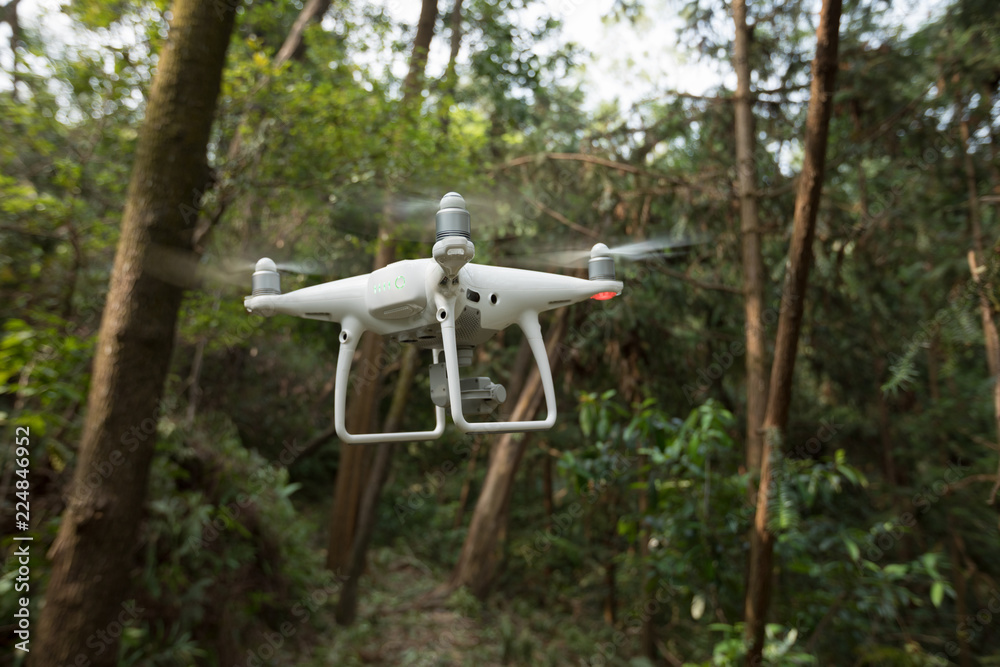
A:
(471, 395)
(456, 396)
(350, 334)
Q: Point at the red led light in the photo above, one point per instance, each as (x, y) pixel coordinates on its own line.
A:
(604, 296)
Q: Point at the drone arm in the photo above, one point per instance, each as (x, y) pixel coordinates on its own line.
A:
(533, 333)
(350, 334)
(330, 301)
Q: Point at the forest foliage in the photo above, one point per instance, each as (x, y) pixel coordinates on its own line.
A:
(627, 527)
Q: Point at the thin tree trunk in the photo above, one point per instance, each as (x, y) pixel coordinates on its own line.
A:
(824, 67)
(478, 561)
(470, 472)
(347, 496)
(450, 74)
(753, 264)
(194, 388)
(503, 519)
(611, 600)
(647, 638)
(294, 44)
(548, 504)
(991, 339)
(932, 370)
(74, 271)
(347, 605)
(354, 459)
(10, 18)
(414, 82)
(961, 604)
(92, 554)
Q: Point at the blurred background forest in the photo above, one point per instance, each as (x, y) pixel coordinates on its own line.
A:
(219, 521)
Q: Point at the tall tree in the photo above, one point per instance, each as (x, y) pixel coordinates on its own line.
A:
(450, 79)
(976, 258)
(91, 557)
(800, 254)
(477, 563)
(353, 459)
(348, 603)
(753, 264)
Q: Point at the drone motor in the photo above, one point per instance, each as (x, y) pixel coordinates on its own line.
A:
(265, 279)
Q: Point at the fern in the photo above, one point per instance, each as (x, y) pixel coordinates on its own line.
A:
(783, 506)
(902, 371)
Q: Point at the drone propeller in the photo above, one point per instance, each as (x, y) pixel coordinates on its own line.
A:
(307, 267)
(405, 216)
(189, 270)
(632, 251)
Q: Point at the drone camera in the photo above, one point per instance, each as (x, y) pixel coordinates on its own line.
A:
(265, 278)
(480, 395)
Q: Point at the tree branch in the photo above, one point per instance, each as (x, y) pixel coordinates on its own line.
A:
(562, 219)
(680, 275)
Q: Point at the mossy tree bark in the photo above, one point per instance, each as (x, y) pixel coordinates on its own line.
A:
(92, 554)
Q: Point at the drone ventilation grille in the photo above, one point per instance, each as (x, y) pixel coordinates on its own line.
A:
(467, 325)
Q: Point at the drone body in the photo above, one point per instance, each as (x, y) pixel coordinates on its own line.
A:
(446, 305)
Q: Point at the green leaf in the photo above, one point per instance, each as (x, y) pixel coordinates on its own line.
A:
(937, 593)
(895, 570)
(852, 549)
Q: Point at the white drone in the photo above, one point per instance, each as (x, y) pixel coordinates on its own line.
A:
(442, 304)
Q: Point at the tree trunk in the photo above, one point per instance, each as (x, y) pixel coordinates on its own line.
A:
(548, 503)
(294, 44)
(92, 553)
(477, 563)
(8, 15)
(353, 458)
(470, 472)
(824, 68)
(976, 258)
(753, 264)
(961, 605)
(611, 599)
(347, 605)
(413, 84)
(450, 74)
(647, 635)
